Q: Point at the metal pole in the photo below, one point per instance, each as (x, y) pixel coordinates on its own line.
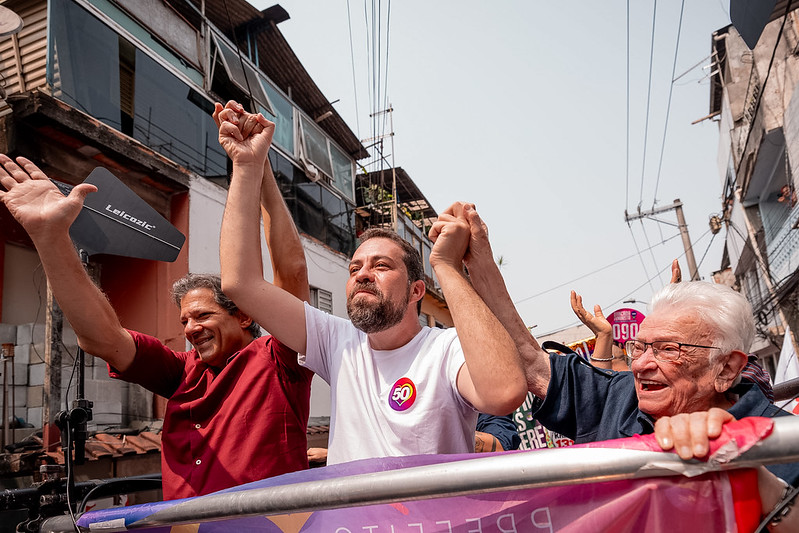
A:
(787, 390)
(540, 468)
(686, 241)
(395, 210)
(52, 370)
(10, 356)
(683, 227)
(5, 400)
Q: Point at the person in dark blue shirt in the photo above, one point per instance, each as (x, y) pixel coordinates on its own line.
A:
(495, 434)
(686, 364)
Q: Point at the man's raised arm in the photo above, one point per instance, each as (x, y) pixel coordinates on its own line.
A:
(492, 379)
(489, 284)
(281, 313)
(285, 247)
(46, 214)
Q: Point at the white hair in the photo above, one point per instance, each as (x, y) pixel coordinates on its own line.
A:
(725, 310)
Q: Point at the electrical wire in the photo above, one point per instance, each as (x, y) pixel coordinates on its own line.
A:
(608, 306)
(374, 76)
(626, 296)
(692, 67)
(627, 152)
(649, 246)
(765, 81)
(368, 62)
(712, 238)
(648, 98)
(771, 301)
(354, 81)
(600, 269)
(71, 377)
(668, 105)
(379, 57)
(638, 250)
(100, 486)
(756, 257)
(385, 105)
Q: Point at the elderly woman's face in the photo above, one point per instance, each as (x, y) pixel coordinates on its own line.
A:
(683, 386)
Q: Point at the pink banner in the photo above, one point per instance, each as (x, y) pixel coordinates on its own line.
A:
(712, 502)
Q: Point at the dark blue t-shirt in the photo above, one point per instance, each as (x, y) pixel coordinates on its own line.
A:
(502, 427)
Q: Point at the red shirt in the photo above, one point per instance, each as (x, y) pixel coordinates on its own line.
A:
(224, 427)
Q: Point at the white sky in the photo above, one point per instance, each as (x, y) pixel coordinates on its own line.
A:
(520, 107)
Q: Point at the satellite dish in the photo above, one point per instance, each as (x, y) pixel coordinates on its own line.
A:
(10, 22)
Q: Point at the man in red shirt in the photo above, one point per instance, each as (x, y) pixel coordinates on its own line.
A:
(237, 405)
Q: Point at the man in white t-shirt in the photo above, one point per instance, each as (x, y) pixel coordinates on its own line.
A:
(397, 388)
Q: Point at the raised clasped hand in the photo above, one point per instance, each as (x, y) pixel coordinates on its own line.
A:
(246, 137)
(450, 235)
(479, 247)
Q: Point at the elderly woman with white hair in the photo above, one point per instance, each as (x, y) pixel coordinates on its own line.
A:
(685, 381)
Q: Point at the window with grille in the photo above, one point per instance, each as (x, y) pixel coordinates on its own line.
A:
(322, 299)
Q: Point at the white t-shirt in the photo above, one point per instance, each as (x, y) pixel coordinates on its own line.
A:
(389, 402)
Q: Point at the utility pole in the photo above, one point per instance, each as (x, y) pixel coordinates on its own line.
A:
(686, 239)
(379, 138)
(52, 370)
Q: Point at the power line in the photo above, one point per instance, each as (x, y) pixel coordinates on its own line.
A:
(626, 296)
(692, 67)
(765, 81)
(649, 245)
(648, 99)
(379, 57)
(608, 306)
(627, 153)
(369, 65)
(385, 80)
(638, 250)
(588, 274)
(354, 82)
(706, 249)
(668, 105)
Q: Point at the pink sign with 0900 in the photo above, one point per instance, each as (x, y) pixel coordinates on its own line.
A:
(625, 323)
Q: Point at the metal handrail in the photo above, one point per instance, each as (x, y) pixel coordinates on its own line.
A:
(540, 468)
(787, 390)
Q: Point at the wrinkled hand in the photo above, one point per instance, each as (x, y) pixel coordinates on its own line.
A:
(245, 137)
(676, 273)
(34, 201)
(690, 433)
(597, 322)
(479, 246)
(450, 235)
